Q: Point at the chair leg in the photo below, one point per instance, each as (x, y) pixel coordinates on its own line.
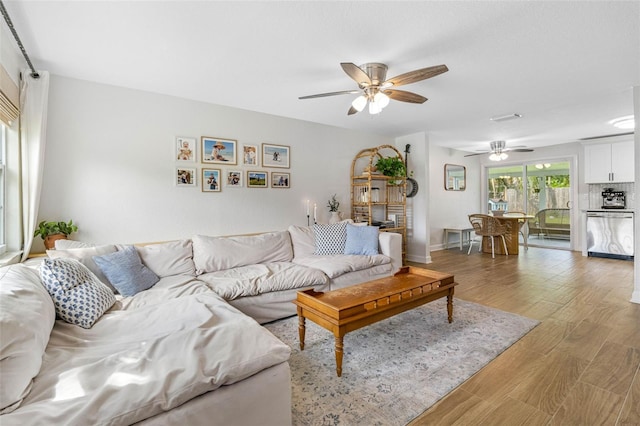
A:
(470, 245)
(493, 253)
(504, 243)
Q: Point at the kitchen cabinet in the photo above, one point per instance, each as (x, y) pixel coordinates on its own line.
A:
(609, 162)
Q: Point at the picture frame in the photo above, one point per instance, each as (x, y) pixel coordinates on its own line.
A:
(257, 179)
(233, 178)
(250, 155)
(275, 156)
(186, 149)
(280, 180)
(218, 150)
(211, 181)
(185, 176)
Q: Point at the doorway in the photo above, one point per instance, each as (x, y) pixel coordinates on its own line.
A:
(542, 190)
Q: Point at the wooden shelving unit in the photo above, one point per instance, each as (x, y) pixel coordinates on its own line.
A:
(377, 199)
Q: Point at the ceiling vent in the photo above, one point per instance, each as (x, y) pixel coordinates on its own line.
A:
(506, 117)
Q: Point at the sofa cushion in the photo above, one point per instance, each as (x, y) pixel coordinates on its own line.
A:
(85, 256)
(167, 259)
(336, 265)
(330, 239)
(65, 244)
(212, 254)
(252, 280)
(362, 240)
(303, 240)
(125, 271)
(27, 316)
(79, 297)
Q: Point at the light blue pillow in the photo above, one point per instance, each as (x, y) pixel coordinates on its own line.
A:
(362, 240)
(125, 271)
(330, 239)
(79, 297)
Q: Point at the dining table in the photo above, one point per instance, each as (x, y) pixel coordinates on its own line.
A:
(512, 222)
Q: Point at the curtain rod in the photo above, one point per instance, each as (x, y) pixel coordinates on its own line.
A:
(7, 19)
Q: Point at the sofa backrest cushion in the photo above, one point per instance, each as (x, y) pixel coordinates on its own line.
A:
(212, 254)
(85, 256)
(27, 316)
(168, 259)
(303, 240)
(125, 271)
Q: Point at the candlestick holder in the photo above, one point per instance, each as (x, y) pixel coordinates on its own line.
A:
(307, 220)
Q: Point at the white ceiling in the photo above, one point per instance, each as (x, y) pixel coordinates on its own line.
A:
(567, 66)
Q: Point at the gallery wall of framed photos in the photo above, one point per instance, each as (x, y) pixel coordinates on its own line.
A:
(214, 163)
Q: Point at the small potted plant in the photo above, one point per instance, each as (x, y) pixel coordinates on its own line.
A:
(52, 231)
(333, 205)
(391, 166)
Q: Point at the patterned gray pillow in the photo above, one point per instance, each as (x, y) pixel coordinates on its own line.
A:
(330, 239)
(79, 297)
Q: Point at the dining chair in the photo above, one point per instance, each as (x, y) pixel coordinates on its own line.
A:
(488, 226)
(523, 227)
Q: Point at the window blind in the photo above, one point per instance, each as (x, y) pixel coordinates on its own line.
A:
(9, 98)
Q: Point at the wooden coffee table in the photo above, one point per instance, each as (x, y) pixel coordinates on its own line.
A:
(348, 309)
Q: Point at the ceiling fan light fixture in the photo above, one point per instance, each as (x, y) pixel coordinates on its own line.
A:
(359, 103)
(374, 108)
(627, 122)
(381, 99)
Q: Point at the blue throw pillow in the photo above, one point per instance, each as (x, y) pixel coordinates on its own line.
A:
(79, 297)
(362, 240)
(125, 271)
(330, 239)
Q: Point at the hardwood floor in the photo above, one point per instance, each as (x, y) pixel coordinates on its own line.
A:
(580, 366)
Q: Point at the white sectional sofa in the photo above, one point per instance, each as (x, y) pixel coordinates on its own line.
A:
(185, 348)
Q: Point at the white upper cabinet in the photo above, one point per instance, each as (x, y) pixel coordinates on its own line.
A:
(609, 162)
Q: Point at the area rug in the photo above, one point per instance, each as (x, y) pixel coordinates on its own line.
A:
(394, 370)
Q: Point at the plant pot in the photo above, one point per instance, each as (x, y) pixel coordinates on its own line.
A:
(335, 217)
(50, 240)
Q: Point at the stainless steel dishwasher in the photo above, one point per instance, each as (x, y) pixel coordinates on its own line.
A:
(610, 234)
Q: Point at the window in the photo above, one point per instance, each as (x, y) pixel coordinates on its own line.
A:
(3, 139)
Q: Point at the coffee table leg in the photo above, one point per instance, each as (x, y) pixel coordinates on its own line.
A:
(450, 307)
(339, 353)
(301, 329)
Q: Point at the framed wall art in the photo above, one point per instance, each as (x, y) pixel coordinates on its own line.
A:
(280, 180)
(218, 151)
(257, 179)
(185, 176)
(186, 149)
(233, 178)
(250, 155)
(275, 155)
(211, 180)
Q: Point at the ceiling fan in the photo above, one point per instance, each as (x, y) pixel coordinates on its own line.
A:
(499, 149)
(376, 90)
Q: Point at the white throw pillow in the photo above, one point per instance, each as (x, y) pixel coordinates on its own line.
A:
(85, 256)
(303, 240)
(79, 297)
(168, 259)
(27, 316)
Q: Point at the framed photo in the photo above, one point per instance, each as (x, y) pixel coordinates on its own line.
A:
(185, 149)
(219, 151)
(185, 176)
(275, 156)
(280, 180)
(257, 179)
(233, 178)
(211, 180)
(250, 155)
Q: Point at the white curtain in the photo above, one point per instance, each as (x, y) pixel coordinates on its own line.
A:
(34, 96)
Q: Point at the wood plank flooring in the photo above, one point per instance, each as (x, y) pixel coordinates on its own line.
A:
(580, 366)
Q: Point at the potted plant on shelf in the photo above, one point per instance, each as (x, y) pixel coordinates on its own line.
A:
(333, 205)
(391, 166)
(52, 231)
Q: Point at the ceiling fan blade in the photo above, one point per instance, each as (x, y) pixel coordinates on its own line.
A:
(322, 95)
(356, 73)
(417, 75)
(478, 153)
(352, 111)
(401, 95)
(520, 150)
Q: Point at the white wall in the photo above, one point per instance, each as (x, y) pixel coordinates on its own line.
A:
(110, 166)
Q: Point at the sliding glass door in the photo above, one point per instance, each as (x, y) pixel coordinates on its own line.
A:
(542, 190)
